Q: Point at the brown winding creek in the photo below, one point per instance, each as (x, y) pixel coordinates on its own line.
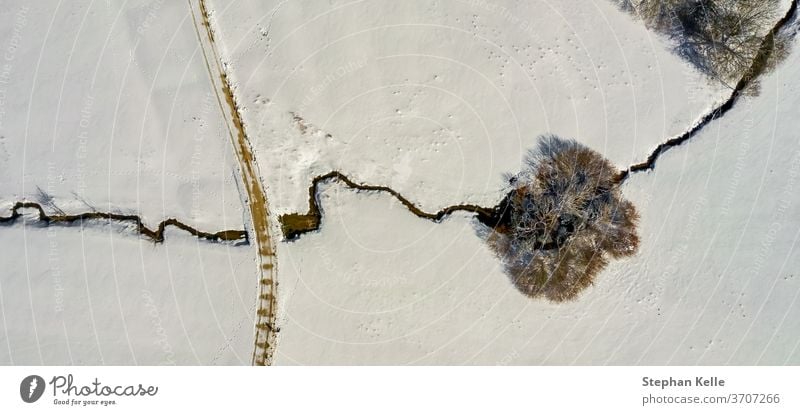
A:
(156, 235)
(295, 224)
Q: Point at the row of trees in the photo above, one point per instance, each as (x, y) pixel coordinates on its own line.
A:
(720, 37)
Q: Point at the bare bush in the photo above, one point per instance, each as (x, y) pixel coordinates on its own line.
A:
(722, 38)
(565, 218)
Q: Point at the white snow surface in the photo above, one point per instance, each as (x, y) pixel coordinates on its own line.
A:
(109, 106)
(98, 296)
(439, 99)
(715, 280)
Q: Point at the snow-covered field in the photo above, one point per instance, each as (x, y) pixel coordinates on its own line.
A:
(439, 99)
(95, 296)
(110, 107)
(436, 100)
(715, 281)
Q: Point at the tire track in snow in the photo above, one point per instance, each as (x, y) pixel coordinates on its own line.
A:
(255, 199)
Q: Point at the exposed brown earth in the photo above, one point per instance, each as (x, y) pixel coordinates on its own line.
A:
(265, 330)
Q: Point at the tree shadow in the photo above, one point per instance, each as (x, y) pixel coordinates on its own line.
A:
(720, 38)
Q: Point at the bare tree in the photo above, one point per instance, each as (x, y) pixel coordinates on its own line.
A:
(723, 38)
(566, 217)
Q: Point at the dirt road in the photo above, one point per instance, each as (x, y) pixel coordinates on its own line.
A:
(256, 199)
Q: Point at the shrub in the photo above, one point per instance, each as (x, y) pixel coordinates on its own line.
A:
(564, 217)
